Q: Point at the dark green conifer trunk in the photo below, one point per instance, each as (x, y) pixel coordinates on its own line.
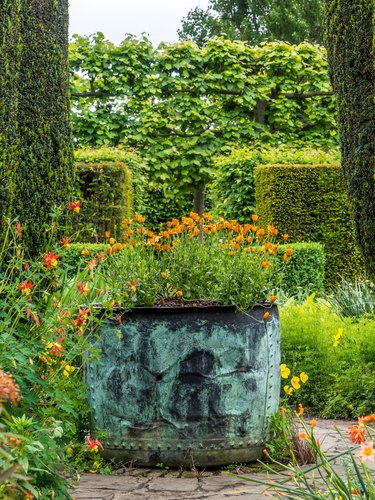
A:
(45, 163)
(9, 67)
(350, 39)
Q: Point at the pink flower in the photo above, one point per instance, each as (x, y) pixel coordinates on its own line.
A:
(366, 452)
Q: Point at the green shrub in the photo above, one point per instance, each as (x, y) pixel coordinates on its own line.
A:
(144, 198)
(106, 194)
(340, 363)
(232, 191)
(75, 260)
(310, 204)
(305, 270)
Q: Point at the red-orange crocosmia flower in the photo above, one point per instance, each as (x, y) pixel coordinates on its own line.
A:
(75, 206)
(18, 230)
(26, 287)
(50, 260)
(357, 434)
(82, 288)
(65, 242)
(56, 349)
(93, 444)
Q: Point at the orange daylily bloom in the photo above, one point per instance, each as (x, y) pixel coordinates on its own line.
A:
(139, 218)
(367, 419)
(357, 434)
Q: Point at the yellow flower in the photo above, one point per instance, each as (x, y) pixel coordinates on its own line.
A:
(304, 377)
(285, 371)
(295, 382)
(179, 293)
(68, 369)
(337, 337)
(288, 390)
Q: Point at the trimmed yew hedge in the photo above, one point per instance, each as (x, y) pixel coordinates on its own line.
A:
(44, 174)
(309, 203)
(105, 179)
(9, 69)
(232, 191)
(350, 45)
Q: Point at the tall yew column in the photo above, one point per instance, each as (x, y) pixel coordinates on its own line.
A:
(9, 66)
(45, 163)
(350, 39)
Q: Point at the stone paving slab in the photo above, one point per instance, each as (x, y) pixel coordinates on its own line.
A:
(135, 483)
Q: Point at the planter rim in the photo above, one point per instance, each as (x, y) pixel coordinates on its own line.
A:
(183, 309)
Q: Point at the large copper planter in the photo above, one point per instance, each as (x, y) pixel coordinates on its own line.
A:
(182, 386)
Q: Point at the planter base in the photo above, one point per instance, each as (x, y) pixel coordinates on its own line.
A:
(180, 456)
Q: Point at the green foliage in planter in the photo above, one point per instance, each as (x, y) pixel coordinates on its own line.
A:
(310, 204)
(305, 270)
(45, 156)
(232, 191)
(106, 192)
(9, 69)
(339, 363)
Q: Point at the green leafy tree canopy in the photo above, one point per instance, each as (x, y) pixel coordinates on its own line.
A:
(256, 20)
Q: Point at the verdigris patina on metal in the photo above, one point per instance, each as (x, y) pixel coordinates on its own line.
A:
(186, 385)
